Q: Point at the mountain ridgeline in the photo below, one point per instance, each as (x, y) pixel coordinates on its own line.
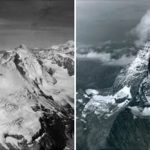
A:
(36, 98)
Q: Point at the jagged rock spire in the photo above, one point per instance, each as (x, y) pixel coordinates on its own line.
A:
(22, 46)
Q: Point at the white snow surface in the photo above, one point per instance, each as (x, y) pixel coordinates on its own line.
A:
(124, 92)
(139, 65)
(17, 115)
(106, 105)
(91, 92)
(140, 112)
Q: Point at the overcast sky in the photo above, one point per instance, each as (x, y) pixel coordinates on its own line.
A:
(36, 23)
(103, 20)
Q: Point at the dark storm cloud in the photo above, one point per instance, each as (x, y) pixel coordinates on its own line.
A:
(36, 23)
(36, 13)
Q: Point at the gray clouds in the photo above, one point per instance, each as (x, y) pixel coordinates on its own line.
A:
(99, 21)
(36, 23)
(109, 53)
(106, 59)
(102, 20)
(142, 30)
(51, 12)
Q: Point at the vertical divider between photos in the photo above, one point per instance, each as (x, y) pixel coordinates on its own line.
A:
(75, 74)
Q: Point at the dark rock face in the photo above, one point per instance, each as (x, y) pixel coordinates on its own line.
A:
(55, 130)
(55, 137)
(128, 133)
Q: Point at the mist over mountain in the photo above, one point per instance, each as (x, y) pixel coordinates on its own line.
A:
(109, 52)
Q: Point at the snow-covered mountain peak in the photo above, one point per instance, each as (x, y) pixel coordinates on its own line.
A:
(36, 100)
(136, 71)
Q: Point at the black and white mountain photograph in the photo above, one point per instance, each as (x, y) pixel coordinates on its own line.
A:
(36, 74)
(113, 75)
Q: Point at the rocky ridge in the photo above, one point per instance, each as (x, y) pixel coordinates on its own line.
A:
(119, 118)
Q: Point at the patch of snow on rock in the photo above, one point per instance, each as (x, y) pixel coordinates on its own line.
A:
(107, 105)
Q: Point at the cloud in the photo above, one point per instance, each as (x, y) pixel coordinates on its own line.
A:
(10, 81)
(38, 13)
(142, 30)
(106, 58)
(36, 23)
(123, 60)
